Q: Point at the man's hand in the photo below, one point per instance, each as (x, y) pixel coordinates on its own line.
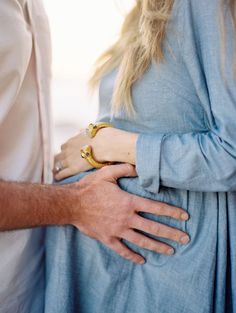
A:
(97, 206)
(109, 214)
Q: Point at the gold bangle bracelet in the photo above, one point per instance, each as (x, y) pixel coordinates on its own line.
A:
(87, 154)
(86, 151)
(92, 129)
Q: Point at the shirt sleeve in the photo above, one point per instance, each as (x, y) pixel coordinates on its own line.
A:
(203, 161)
(15, 53)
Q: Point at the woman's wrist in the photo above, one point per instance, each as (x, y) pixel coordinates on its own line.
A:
(115, 145)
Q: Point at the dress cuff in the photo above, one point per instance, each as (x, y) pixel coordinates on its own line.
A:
(148, 155)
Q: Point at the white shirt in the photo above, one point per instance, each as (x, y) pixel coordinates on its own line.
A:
(25, 142)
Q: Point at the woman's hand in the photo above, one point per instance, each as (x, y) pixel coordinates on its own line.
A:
(70, 159)
(109, 145)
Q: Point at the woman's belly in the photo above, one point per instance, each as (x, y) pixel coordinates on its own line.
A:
(94, 271)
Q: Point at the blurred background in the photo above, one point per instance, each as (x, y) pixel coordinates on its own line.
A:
(81, 31)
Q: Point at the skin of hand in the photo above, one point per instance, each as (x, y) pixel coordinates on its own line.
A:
(95, 205)
(110, 144)
(70, 157)
(109, 214)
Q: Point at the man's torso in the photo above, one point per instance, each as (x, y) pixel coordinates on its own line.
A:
(24, 140)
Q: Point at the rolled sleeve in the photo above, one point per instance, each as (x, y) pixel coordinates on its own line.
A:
(148, 157)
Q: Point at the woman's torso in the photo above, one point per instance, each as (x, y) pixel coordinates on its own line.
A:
(171, 97)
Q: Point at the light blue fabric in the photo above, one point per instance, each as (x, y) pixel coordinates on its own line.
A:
(186, 156)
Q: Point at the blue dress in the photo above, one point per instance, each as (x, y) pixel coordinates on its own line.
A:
(186, 156)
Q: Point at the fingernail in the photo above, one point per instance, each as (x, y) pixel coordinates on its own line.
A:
(171, 251)
(185, 216)
(185, 239)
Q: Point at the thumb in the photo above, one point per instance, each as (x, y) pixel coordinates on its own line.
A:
(120, 170)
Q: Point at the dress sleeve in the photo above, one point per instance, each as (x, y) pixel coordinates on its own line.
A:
(203, 161)
(15, 53)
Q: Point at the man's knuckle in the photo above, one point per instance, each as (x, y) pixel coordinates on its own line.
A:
(154, 228)
(108, 241)
(179, 235)
(128, 203)
(126, 254)
(162, 248)
(142, 224)
(176, 213)
(111, 241)
(143, 242)
(174, 233)
(160, 206)
(126, 207)
(157, 247)
(133, 201)
(130, 221)
(137, 224)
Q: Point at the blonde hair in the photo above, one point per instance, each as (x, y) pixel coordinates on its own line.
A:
(140, 42)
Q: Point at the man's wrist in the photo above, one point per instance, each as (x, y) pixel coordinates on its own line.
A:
(25, 205)
(68, 204)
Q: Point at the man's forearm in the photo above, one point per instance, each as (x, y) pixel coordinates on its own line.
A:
(24, 205)
(97, 207)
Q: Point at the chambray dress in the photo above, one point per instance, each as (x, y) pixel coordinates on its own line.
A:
(186, 156)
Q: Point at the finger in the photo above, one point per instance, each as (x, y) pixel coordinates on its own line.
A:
(148, 243)
(67, 172)
(125, 252)
(64, 146)
(159, 208)
(115, 172)
(60, 156)
(71, 168)
(159, 230)
(63, 164)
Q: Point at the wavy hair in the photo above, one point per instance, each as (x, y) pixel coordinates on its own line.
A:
(140, 42)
